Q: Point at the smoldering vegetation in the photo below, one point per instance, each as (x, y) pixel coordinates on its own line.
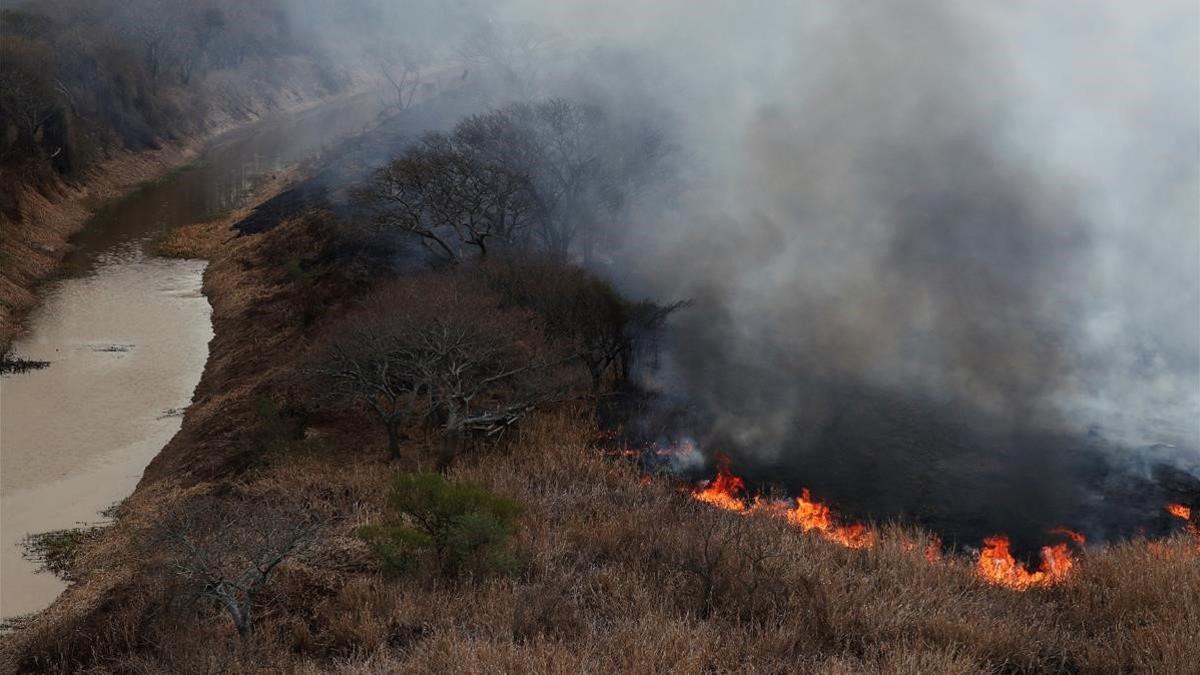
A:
(912, 288)
(900, 317)
(910, 251)
(922, 284)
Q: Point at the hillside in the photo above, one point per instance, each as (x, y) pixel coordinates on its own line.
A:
(621, 337)
(613, 567)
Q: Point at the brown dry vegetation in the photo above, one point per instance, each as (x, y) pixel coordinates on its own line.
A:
(620, 573)
(606, 587)
(197, 240)
(205, 239)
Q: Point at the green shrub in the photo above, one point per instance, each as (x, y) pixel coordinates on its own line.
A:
(56, 551)
(459, 527)
(396, 547)
(278, 430)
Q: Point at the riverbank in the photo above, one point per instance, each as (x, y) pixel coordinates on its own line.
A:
(35, 241)
(620, 572)
(127, 332)
(613, 569)
(255, 296)
(129, 341)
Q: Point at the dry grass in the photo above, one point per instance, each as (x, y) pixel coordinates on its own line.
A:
(204, 240)
(619, 572)
(606, 587)
(198, 240)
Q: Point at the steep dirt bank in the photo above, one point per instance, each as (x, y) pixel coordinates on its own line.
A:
(260, 288)
(48, 213)
(266, 291)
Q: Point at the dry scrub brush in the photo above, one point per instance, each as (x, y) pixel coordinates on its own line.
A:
(439, 350)
(627, 575)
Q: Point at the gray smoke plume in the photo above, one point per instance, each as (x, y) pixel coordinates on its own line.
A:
(945, 256)
(910, 208)
(945, 261)
(888, 239)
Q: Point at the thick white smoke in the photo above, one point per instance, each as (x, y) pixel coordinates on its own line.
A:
(992, 208)
(995, 204)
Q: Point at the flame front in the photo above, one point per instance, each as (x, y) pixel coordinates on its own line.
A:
(1179, 511)
(997, 565)
(811, 515)
(1185, 512)
(725, 490)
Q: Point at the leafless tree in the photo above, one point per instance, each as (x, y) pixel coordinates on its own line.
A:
(508, 50)
(155, 36)
(519, 175)
(27, 100)
(574, 183)
(364, 364)
(452, 196)
(441, 350)
(604, 328)
(403, 74)
(582, 163)
(227, 550)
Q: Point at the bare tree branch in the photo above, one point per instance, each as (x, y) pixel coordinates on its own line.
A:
(227, 550)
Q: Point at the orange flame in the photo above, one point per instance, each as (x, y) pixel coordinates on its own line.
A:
(1074, 536)
(1179, 511)
(811, 515)
(996, 563)
(1185, 513)
(725, 490)
(998, 566)
(933, 552)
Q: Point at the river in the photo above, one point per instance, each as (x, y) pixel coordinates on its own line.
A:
(126, 334)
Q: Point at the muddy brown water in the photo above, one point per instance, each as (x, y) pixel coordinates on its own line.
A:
(126, 334)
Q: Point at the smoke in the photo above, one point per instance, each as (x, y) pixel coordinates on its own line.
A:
(994, 210)
(950, 247)
(882, 238)
(944, 258)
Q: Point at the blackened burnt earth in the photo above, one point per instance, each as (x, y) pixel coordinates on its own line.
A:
(883, 457)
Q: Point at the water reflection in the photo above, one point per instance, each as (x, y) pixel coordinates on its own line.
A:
(127, 336)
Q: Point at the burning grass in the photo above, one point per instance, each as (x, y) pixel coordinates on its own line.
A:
(994, 563)
(620, 571)
(622, 574)
(1185, 513)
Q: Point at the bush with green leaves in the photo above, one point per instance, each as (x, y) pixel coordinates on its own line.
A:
(457, 527)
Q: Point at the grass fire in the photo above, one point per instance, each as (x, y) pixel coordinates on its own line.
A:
(621, 336)
(994, 563)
